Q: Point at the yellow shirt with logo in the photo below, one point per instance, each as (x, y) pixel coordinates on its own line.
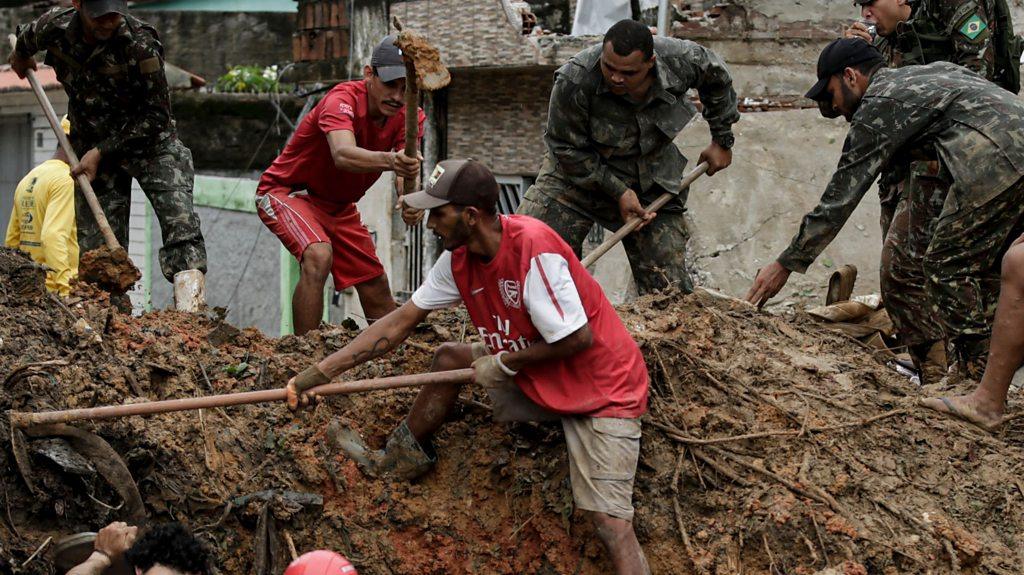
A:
(43, 222)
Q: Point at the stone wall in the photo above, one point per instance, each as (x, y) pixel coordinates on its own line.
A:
(208, 43)
(498, 117)
(233, 131)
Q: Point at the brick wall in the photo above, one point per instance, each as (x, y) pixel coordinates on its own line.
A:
(498, 117)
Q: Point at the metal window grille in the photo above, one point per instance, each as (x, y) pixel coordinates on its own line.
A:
(510, 192)
(414, 257)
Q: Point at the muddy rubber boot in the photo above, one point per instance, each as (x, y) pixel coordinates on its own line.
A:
(189, 291)
(402, 457)
(930, 362)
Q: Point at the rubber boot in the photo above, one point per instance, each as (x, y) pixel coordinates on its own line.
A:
(930, 362)
(402, 457)
(189, 291)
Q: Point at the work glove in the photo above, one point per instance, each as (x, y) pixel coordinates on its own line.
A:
(307, 379)
(488, 371)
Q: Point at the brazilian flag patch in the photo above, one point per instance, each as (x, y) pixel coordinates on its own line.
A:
(973, 27)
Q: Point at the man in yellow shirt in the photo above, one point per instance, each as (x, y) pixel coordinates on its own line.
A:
(43, 221)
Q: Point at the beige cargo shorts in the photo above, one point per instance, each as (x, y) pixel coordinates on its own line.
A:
(603, 451)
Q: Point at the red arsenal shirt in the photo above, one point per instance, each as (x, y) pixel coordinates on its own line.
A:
(536, 289)
(306, 161)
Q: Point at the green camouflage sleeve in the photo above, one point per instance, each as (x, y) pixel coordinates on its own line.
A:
(567, 137)
(714, 85)
(148, 85)
(37, 34)
(864, 152)
(971, 32)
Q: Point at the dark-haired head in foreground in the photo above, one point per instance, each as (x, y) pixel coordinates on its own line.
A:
(627, 58)
(169, 549)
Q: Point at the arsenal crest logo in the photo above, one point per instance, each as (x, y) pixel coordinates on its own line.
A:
(510, 293)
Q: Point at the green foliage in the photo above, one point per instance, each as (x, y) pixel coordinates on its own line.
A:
(249, 79)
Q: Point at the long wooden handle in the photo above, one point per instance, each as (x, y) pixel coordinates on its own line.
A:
(22, 419)
(412, 124)
(631, 225)
(83, 181)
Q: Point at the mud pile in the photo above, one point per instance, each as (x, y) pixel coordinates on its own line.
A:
(771, 447)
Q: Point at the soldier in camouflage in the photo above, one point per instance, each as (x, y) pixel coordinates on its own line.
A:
(111, 66)
(974, 34)
(615, 110)
(941, 111)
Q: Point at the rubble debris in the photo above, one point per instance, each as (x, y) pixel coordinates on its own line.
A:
(772, 445)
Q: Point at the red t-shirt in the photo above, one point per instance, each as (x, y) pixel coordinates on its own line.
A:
(535, 288)
(306, 161)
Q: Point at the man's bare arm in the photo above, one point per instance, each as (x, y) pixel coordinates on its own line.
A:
(384, 335)
(348, 156)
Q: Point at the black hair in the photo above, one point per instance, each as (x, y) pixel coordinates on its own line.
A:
(628, 36)
(171, 545)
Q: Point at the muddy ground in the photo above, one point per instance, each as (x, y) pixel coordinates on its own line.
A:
(772, 446)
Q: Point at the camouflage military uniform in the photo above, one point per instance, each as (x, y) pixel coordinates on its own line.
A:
(911, 193)
(119, 102)
(975, 130)
(600, 145)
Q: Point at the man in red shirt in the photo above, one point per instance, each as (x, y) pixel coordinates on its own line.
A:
(552, 348)
(308, 195)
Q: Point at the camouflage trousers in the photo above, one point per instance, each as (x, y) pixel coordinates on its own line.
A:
(657, 252)
(166, 176)
(959, 269)
(908, 222)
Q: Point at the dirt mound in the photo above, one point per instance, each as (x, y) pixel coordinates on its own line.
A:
(771, 447)
(110, 269)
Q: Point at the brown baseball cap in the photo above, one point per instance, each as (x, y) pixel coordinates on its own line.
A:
(460, 182)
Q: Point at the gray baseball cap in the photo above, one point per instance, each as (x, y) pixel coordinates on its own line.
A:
(387, 59)
(97, 8)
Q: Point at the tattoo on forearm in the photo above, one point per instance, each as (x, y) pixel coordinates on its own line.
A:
(379, 348)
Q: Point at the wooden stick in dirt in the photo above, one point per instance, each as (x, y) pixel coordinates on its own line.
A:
(21, 419)
(632, 224)
(83, 181)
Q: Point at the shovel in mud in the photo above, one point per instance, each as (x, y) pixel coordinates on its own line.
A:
(422, 64)
(109, 266)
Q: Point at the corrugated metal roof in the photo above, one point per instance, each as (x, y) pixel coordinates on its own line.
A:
(217, 6)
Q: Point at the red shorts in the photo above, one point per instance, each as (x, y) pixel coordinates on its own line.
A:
(299, 220)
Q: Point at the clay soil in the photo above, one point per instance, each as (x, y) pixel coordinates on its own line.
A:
(112, 270)
(772, 446)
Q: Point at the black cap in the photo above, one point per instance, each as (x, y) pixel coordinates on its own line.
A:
(387, 59)
(461, 182)
(837, 56)
(862, 2)
(97, 8)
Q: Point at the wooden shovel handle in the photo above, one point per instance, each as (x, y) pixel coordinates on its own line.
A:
(632, 224)
(412, 124)
(83, 182)
(21, 420)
